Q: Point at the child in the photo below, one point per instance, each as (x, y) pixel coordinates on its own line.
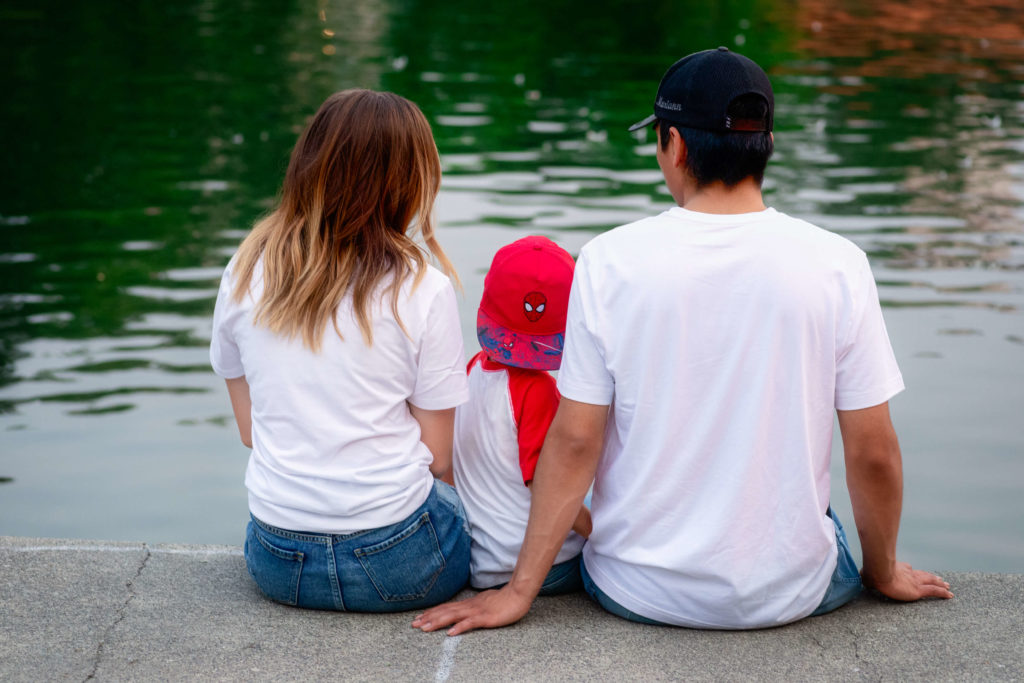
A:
(499, 432)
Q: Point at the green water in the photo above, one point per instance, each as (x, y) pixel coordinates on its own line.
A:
(141, 141)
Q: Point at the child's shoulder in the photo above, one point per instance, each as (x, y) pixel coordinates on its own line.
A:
(524, 375)
(525, 385)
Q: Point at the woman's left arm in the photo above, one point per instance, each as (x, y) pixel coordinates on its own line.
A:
(437, 429)
(241, 403)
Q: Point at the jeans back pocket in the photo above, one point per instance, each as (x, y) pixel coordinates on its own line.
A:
(405, 566)
(275, 570)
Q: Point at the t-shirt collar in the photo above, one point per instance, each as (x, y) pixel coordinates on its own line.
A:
(721, 218)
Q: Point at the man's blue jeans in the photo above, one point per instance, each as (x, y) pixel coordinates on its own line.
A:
(418, 562)
(845, 585)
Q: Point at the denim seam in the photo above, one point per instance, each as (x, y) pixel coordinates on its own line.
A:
(293, 535)
(294, 556)
(281, 553)
(332, 576)
(310, 538)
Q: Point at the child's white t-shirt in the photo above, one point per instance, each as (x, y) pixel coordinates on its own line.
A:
(724, 344)
(335, 448)
(498, 436)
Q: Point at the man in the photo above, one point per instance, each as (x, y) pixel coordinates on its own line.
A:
(706, 350)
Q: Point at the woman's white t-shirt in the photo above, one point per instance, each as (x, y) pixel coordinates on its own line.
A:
(335, 448)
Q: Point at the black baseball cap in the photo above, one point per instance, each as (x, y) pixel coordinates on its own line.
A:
(697, 90)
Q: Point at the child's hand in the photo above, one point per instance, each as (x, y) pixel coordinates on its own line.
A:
(583, 524)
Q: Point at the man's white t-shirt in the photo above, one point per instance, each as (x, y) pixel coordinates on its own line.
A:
(723, 344)
(335, 448)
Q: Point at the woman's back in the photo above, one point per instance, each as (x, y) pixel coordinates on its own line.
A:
(335, 448)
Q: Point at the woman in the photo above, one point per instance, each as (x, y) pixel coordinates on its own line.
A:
(342, 352)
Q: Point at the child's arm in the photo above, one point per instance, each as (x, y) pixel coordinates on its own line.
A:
(583, 525)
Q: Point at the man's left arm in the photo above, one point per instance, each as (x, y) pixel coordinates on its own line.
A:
(565, 471)
(874, 476)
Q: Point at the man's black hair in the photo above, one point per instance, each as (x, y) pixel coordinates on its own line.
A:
(729, 157)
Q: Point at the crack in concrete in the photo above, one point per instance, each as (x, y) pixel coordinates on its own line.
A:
(122, 612)
(864, 665)
(821, 646)
(856, 645)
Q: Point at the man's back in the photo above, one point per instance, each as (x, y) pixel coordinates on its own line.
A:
(726, 341)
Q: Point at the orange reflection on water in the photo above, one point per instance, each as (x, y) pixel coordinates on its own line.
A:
(916, 38)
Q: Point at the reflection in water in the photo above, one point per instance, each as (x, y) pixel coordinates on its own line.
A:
(147, 147)
(946, 78)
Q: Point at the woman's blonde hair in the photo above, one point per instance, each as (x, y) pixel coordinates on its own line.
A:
(363, 170)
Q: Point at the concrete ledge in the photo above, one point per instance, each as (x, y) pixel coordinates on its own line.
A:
(129, 611)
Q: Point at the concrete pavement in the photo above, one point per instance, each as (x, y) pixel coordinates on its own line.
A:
(83, 610)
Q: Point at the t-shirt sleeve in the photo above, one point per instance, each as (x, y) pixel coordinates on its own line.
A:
(584, 375)
(225, 358)
(534, 403)
(441, 371)
(866, 371)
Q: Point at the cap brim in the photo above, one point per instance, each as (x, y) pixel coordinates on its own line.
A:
(643, 124)
(518, 349)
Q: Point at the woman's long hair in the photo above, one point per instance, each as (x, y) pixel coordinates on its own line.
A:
(363, 170)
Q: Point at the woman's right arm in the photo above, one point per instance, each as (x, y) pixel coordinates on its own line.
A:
(437, 429)
(241, 404)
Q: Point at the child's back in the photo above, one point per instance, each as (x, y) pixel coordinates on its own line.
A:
(500, 431)
(498, 436)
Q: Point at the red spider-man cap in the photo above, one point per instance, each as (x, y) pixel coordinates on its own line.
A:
(521, 320)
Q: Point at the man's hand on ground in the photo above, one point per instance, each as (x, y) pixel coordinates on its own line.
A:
(908, 584)
(489, 609)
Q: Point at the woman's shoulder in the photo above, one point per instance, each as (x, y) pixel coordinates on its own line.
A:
(229, 276)
(431, 282)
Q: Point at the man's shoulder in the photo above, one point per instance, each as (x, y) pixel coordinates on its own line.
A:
(813, 230)
(625, 234)
(784, 232)
(821, 241)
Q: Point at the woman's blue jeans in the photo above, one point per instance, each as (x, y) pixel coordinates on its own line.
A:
(844, 587)
(418, 562)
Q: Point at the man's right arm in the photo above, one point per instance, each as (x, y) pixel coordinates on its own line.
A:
(874, 476)
(565, 471)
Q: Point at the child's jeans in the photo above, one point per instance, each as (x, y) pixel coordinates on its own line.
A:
(845, 585)
(418, 562)
(563, 578)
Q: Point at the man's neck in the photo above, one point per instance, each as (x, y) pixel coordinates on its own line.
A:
(743, 197)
